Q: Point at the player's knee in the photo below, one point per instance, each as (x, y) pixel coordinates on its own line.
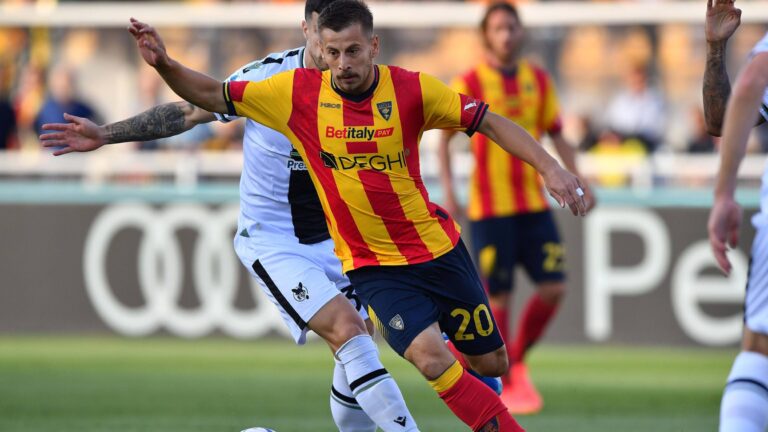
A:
(755, 342)
(370, 327)
(337, 322)
(430, 359)
(552, 292)
(493, 364)
(433, 367)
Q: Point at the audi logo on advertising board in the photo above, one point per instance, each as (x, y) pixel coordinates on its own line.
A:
(160, 266)
(635, 275)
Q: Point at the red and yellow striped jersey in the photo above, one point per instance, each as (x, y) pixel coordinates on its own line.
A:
(501, 184)
(362, 153)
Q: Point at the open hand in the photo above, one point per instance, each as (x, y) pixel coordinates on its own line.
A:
(150, 44)
(722, 20)
(723, 229)
(79, 135)
(566, 189)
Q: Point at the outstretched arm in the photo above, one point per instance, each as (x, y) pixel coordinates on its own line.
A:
(723, 18)
(562, 185)
(82, 135)
(725, 218)
(194, 87)
(568, 156)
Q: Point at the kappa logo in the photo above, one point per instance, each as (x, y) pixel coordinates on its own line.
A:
(385, 109)
(300, 293)
(397, 322)
(253, 66)
(469, 106)
(401, 421)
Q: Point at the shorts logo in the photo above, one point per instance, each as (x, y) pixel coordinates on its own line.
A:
(397, 322)
(385, 109)
(401, 420)
(300, 293)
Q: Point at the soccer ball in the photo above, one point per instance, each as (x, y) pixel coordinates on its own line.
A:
(258, 429)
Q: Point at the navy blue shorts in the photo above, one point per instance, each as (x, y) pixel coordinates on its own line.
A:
(531, 240)
(404, 300)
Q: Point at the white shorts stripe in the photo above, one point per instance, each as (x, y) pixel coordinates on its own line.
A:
(298, 279)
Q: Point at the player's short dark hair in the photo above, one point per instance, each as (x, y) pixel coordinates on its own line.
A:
(498, 6)
(315, 6)
(344, 13)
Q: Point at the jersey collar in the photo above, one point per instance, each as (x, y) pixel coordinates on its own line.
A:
(362, 96)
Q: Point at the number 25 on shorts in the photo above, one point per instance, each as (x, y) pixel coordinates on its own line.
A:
(483, 327)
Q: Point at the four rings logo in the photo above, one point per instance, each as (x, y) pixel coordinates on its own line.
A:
(214, 273)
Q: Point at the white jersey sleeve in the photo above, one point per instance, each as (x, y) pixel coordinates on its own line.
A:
(262, 69)
(762, 47)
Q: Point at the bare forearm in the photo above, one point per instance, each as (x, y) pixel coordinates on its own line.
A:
(716, 88)
(194, 87)
(444, 156)
(516, 141)
(161, 121)
(566, 152)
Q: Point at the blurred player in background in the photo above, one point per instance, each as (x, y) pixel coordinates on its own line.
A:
(744, 407)
(510, 220)
(282, 238)
(357, 127)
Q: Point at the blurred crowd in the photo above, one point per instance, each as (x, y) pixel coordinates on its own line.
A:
(628, 91)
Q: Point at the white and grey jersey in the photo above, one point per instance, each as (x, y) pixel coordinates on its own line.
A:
(276, 192)
(761, 47)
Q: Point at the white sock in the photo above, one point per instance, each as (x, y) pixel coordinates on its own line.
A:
(373, 387)
(347, 414)
(745, 401)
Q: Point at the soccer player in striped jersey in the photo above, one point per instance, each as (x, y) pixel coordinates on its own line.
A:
(510, 219)
(282, 238)
(744, 407)
(357, 127)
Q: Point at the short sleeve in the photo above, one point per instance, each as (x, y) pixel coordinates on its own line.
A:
(236, 76)
(445, 108)
(459, 85)
(267, 102)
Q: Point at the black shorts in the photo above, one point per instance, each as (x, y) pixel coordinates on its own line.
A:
(531, 240)
(404, 300)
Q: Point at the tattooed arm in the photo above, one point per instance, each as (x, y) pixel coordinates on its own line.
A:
(82, 135)
(716, 88)
(723, 18)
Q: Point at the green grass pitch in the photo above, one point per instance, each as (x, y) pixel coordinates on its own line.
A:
(88, 384)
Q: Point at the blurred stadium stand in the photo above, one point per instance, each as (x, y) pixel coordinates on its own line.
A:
(588, 46)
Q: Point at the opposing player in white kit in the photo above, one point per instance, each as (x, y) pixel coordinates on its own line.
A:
(282, 238)
(744, 407)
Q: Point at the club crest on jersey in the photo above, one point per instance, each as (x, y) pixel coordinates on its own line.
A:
(397, 322)
(300, 293)
(385, 109)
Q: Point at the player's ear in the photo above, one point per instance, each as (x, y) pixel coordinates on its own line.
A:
(374, 46)
(305, 29)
